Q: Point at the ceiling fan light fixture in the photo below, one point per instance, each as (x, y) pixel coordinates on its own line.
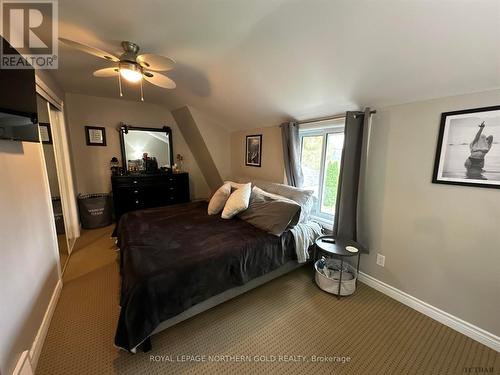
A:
(130, 66)
(130, 72)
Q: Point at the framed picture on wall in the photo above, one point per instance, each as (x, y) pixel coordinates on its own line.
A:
(468, 150)
(95, 136)
(45, 133)
(253, 152)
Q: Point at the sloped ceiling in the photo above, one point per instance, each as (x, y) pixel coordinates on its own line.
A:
(255, 63)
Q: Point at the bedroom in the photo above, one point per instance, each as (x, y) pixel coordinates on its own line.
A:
(349, 106)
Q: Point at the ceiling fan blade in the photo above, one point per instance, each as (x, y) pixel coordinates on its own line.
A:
(155, 62)
(159, 79)
(90, 50)
(106, 72)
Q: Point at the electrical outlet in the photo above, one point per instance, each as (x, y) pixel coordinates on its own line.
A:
(381, 260)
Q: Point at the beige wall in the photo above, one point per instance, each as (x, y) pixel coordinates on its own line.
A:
(91, 163)
(29, 259)
(217, 139)
(198, 146)
(272, 168)
(46, 76)
(441, 242)
(28, 256)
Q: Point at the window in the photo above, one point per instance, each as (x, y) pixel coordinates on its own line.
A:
(321, 153)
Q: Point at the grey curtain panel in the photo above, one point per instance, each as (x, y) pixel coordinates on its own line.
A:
(291, 153)
(351, 172)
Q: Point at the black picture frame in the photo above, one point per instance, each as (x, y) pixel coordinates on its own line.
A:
(88, 138)
(124, 128)
(253, 157)
(45, 125)
(452, 166)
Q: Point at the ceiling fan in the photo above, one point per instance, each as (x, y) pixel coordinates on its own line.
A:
(130, 65)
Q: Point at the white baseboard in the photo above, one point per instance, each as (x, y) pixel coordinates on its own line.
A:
(470, 330)
(23, 366)
(36, 348)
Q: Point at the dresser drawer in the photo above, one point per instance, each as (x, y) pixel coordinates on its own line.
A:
(130, 194)
(131, 181)
(147, 191)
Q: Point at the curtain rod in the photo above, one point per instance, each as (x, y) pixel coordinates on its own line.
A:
(326, 118)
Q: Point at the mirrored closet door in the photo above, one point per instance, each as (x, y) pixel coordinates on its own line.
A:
(55, 180)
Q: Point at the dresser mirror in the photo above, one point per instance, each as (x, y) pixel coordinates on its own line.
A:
(146, 150)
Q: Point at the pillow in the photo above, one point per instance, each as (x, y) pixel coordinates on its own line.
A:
(237, 202)
(270, 212)
(303, 197)
(234, 185)
(219, 199)
(258, 191)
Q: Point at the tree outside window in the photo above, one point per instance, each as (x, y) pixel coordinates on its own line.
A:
(321, 154)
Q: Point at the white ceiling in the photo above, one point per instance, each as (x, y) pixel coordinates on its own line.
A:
(251, 63)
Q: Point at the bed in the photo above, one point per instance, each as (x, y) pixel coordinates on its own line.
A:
(177, 261)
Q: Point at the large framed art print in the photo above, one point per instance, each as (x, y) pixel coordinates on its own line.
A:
(468, 150)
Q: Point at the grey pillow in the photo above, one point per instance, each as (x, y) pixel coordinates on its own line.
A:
(303, 197)
(271, 213)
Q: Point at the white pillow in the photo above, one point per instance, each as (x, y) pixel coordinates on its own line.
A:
(237, 202)
(219, 199)
(234, 185)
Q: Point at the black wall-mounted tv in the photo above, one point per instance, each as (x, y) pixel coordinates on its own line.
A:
(18, 113)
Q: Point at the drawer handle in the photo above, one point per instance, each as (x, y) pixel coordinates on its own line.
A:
(170, 179)
(135, 181)
(171, 188)
(137, 202)
(136, 191)
(171, 198)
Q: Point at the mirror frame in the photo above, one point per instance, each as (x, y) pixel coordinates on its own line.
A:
(124, 128)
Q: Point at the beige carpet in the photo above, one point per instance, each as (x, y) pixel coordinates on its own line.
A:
(287, 317)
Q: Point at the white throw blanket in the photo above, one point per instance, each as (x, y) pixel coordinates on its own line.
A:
(305, 234)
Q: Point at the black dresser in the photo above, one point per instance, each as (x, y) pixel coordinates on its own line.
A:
(139, 191)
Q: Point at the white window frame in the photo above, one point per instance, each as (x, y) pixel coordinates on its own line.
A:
(321, 129)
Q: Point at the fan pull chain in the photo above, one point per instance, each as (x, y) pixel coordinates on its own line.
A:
(142, 92)
(120, 84)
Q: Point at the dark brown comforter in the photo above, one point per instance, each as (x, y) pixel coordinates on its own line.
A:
(175, 257)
